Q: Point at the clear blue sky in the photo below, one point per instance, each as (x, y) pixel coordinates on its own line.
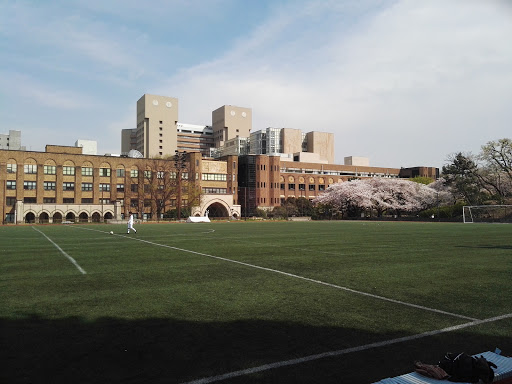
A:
(403, 82)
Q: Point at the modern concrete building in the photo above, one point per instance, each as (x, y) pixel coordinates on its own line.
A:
(11, 141)
(229, 122)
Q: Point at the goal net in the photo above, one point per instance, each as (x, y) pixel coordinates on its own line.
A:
(487, 213)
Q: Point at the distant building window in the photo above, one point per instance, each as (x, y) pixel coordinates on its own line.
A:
(120, 187)
(11, 184)
(134, 187)
(49, 186)
(30, 200)
(10, 201)
(312, 187)
(120, 172)
(49, 169)
(68, 186)
(48, 200)
(86, 186)
(134, 173)
(87, 200)
(86, 171)
(104, 187)
(104, 201)
(282, 186)
(219, 191)
(302, 187)
(134, 203)
(30, 168)
(291, 187)
(321, 187)
(68, 200)
(11, 168)
(213, 177)
(104, 172)
(29, 185)
(68, 171)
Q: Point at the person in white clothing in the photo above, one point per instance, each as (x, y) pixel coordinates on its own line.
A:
(130, 224)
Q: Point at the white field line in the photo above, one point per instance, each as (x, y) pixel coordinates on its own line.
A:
(73, 261)
(298, 277)
(340, 352)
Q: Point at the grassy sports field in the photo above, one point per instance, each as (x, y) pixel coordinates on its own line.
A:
(249, 302)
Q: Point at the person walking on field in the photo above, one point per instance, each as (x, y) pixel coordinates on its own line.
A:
(130, 224)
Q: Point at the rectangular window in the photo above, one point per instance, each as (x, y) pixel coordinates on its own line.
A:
(134, 173)
(86, 186)
(134, 203)
(120, 187)
(312, 187)
(120, 172)
(207, 190)
(134, 187)
(68, 171)
(104, 201)
(160, 174)
(282, 186)
(184, 176)
(213, 177)
(11, 168)
(11, 184)
(321, 187)
(30, 168)
(147, 188)
(104, 172)
(291, 187)
(49, 200)
(86, 171)
(10, 201)
(29, 185)
(49, 169)
(68, 186)
(104, 187)
(68, 200)
(302, 187)
(86, 200)
(30, 200)
(49, 186)
(147, 174)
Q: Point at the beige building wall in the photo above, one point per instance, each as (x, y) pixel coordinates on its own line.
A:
(321, 143)
(292, 140)
(229, 122)
(157, 119)
(355, 160)
(128, 140)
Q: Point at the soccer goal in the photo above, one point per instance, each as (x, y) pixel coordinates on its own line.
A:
(487, 213)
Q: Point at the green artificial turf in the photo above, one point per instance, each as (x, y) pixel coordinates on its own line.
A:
(179, 302)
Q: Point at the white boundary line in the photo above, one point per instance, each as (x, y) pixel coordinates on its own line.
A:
(298, 277)
(73, 261)
(340, 352)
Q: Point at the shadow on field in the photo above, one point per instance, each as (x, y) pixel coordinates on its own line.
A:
(71, 350)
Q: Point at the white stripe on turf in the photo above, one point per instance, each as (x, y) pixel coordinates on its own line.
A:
(61, 251)
(365, 347)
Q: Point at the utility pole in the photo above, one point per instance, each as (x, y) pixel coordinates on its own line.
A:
(180, 164)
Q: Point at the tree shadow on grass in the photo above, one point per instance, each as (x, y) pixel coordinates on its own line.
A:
(71, 350)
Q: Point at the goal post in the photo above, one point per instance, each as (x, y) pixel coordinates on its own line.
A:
(487, 214)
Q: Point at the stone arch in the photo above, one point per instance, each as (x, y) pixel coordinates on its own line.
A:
(50, 162)
(108, 215)
(14, 165)
(70, 216)
(30, 217)
(57, 217)
(96, 217)
(44, 217)
(83, 217)
(217, 209)
(68, 163)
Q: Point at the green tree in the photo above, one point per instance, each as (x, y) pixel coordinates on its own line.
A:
(461, 174)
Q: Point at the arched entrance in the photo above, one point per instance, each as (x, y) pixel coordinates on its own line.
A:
(44, 218)
(30, 218)
(96, 217)
(108, 216)
(70, 217)
(217, 210)
(83, 217)
(57, 217)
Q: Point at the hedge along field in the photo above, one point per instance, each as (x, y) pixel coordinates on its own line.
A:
(249, 302)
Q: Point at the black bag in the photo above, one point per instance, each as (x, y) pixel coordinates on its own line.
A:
(466, 368)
